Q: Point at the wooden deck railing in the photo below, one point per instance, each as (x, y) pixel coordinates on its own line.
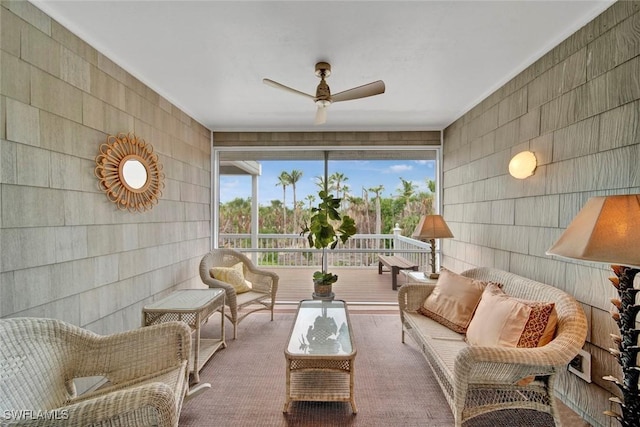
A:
(292, 250)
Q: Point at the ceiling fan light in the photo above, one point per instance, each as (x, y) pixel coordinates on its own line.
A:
(323, 103)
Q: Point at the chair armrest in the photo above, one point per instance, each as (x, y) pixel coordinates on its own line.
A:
(229, 291)
(503, 365)
(140, 405)
(219, 284)
(133, 354)
(262, 280)
(411, 296)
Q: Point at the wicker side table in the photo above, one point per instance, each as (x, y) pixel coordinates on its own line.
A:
(417, 277)
(320, 354)
(194, 307)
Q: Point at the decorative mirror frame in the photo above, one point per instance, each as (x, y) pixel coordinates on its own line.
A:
(109, 170)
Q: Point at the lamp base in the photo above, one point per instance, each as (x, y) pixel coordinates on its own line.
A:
(627, 342)
(433, 276)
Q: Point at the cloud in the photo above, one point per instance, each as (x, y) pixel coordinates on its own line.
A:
(429, 163)
(229, 184)
(399, 168)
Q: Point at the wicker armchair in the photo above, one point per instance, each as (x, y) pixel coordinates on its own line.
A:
(147, 370)
(263, 292)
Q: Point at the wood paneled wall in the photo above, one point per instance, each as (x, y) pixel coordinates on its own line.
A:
(66, 251)
(578, 110)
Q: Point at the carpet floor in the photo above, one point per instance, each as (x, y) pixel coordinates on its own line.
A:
(393, 384)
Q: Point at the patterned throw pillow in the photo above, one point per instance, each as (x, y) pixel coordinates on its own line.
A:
(502, 320)
(453, 300)
(232, 275)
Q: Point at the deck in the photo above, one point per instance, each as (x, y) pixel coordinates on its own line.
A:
(357, 286)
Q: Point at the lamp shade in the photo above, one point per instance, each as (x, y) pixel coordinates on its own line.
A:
(432, 227)
(607, 230)
(522, 165)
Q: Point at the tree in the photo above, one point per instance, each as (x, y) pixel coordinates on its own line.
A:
(357, 209)
(408, 189)
(377, 190)
(431, 184)
(320, 183)
(236, 216)
(284, 180)
(294, 177)
(337, 178)
(406, 196)
(270, 220)
(310, 199)
(367, 208)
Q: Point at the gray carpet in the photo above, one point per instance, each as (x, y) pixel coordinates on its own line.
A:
(393, 384)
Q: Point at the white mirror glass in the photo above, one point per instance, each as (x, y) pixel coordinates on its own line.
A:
(134, 173)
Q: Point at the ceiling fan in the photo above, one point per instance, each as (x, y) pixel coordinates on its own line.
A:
(323, 96)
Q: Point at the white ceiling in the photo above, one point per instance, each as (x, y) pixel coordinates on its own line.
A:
(437, 58)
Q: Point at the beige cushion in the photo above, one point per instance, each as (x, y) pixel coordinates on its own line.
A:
(232, 275)
(453, 300)
(502, 320)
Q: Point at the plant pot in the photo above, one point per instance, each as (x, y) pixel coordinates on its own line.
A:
(322, 291)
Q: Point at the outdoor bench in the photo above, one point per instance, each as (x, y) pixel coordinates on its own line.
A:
(395, 263)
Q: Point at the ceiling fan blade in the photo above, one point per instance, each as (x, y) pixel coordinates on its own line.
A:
(287, 88)
(370, 89)
(321, 115)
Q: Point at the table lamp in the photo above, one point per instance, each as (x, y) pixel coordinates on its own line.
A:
(432, 227)
(607, 230)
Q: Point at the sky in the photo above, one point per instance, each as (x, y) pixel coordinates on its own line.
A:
(365, 173)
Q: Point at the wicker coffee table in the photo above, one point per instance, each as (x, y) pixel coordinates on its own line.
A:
(320, 354)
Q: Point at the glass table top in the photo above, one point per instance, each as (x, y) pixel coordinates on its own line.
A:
(185, 300)
(321, 328)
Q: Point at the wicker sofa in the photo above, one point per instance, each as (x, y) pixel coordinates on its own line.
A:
(477, 379)
(147, 369)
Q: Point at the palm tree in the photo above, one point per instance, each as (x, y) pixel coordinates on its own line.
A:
(321, 184)
(377, 190)
(294, 177)
(237, 216)
(310, 199)
(338, 178)
(406, 193)
(357, 208)
(365, 197)
(408, 189)
(284, 179)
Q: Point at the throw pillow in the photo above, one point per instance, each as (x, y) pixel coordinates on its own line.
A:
(502, 320)
(232, 275)
(453, 300)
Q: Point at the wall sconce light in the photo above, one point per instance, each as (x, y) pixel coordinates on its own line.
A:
(522, 165)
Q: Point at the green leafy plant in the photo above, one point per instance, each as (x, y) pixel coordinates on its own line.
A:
(327, 228)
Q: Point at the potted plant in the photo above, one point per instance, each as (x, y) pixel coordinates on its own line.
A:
(325, 230)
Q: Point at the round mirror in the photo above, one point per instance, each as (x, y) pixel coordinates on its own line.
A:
(129, 172)
(134, 174)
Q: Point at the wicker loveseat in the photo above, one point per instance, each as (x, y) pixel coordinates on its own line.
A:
(147, 369)
(477, 379)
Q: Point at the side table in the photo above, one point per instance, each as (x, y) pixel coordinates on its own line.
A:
(417, 277)
(194, 307)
